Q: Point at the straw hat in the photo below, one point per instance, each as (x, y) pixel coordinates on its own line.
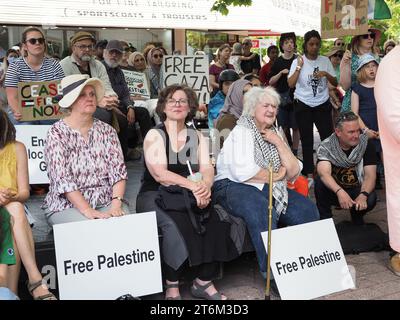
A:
(334, 50)
(73, 85)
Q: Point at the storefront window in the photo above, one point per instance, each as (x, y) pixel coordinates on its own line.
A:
(208, 42)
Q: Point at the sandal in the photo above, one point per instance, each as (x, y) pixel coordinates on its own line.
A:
(170, 286)
(32, 286)
(199, 291)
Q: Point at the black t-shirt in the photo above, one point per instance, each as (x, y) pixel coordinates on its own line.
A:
(281, 64)
(347, 177)
(249, 65)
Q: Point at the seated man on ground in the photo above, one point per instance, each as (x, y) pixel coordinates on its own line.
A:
(346, 170)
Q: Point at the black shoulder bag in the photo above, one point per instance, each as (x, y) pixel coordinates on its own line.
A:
(176, 198)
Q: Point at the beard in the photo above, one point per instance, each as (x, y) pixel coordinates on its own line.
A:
(111, 63)
(86, 57)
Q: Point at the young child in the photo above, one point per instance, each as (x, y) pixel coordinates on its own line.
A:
(14, 191)
(363, 100)
(237, 57)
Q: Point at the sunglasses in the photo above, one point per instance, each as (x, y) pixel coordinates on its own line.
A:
(338, 55)
(346, 116)
(340, 44)
(34, 40)
(156, 56)
(369, 35)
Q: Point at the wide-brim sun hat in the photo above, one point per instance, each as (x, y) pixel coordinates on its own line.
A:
(334, 50)
(378, 35)
(73, 85)
(365, 59)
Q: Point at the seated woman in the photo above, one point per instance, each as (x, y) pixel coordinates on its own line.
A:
(242, 169)
(167, 150)
(84, 159)
(14, 191)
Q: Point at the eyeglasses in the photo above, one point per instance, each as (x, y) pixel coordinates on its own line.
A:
(83, 47)
(369, 35)
(340, 44)
(181, 102)
(35, 40)
(156, 56)
(338, 55)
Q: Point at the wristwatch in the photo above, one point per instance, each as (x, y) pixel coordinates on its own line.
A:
(365, 193)
(121, 199)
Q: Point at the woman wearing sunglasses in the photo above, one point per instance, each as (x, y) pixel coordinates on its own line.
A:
(154, 72)
(360, 45)
(32, 66)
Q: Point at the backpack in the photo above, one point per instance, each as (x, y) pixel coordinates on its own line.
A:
(355, 239)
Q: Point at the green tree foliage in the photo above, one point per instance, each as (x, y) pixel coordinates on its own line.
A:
(222, 5)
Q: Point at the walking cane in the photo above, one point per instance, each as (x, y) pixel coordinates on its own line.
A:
(268, 287)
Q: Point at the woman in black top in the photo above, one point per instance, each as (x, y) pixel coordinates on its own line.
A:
(167, 150)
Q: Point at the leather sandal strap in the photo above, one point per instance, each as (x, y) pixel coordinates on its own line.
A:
(171, 285)
(33, 286)
(203, 287)
(48, 296)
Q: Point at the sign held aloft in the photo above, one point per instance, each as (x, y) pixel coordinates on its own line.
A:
(137, 83)
(340, 19)
(38, 100)
(189, 70)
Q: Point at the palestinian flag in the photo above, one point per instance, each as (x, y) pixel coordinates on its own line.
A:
(378, 10)
(27, 103)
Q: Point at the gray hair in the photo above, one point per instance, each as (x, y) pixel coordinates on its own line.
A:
(253, 97)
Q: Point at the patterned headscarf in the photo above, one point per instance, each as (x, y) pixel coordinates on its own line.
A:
(234, 99)
(132, 57)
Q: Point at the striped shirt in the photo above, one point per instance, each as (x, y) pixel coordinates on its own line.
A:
(20, 71)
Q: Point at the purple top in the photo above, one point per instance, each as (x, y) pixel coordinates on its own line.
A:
(92, 166)
(215, 70)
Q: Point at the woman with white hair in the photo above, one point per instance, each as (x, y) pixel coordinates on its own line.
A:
(84, 159)
(242, 169)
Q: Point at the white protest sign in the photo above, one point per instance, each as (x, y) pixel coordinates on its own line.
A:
(106, 258)
(34, 137)
(307, 261)
(190, 70)
(137, 83)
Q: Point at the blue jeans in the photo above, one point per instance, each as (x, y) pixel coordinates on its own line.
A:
(251, 204)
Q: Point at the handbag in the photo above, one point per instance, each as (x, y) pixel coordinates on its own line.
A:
(177, 198)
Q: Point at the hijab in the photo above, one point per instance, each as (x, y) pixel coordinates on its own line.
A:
(234, 99)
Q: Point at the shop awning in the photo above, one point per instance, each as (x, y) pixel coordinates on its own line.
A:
(279, 16)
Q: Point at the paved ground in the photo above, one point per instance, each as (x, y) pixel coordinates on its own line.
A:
(241, 279)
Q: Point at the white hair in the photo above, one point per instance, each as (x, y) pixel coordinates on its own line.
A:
(253, 97)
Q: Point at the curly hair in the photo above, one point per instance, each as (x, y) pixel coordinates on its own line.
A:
(168, 92)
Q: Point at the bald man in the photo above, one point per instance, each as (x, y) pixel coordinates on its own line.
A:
(387, 95)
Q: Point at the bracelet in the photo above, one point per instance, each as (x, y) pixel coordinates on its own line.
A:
(338, 190)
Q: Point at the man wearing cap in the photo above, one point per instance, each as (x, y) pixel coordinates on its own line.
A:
(82, 61)
(346, 169)
(253, 65)
(112, 58)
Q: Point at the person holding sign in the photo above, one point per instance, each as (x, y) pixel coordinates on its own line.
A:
(176, 158)
(85, 163)
(241, 185)
(360, 45)
(14, 191)
(34, 66)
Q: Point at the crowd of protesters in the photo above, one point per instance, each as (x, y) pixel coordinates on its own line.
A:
(265, 110)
